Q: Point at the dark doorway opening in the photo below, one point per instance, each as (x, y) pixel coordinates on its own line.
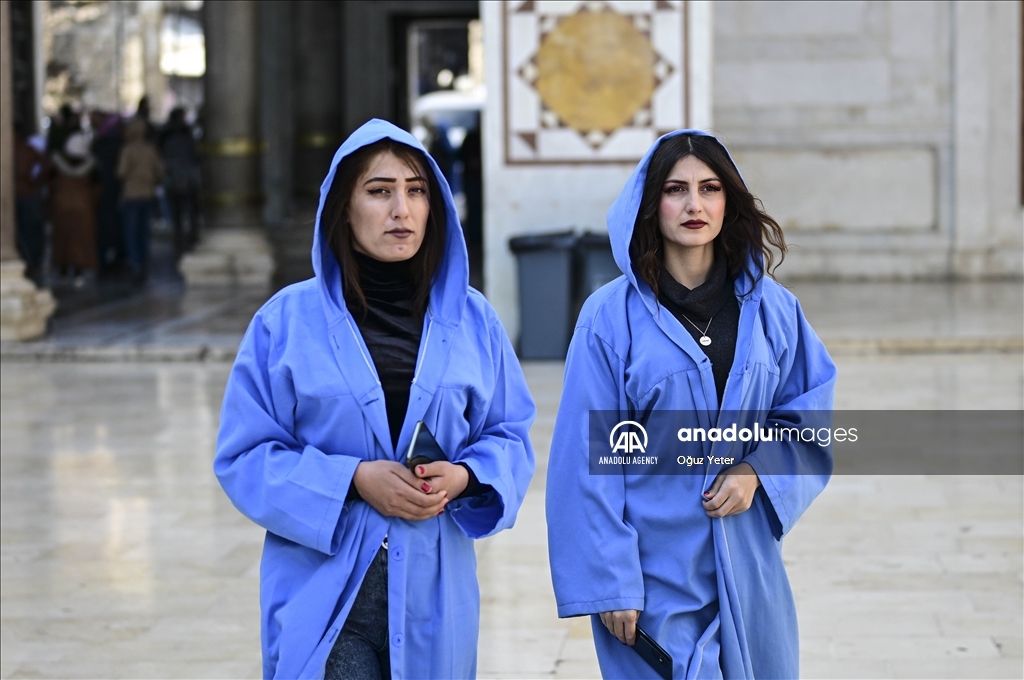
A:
(438, 94)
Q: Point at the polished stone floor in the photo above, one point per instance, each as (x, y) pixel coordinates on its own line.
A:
(121, 556)
(167, 321)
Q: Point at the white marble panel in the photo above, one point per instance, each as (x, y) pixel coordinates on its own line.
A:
(912, 29)
(818, 18)
(800, 82)
(886, 189)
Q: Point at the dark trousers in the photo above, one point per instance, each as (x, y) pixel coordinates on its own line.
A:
(109, 233)
(135, 222)
(183, 208)
(30, 237)
(361, 651)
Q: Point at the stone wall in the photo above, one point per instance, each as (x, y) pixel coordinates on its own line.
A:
(883, 136)
(577, 93)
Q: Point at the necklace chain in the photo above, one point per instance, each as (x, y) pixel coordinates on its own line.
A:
(704, 339)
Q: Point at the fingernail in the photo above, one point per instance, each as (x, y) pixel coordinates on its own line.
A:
(425, 487)
(419, 469)
(441, 511)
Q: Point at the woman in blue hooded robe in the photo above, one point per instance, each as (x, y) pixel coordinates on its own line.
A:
(368, 567)
(693, 327)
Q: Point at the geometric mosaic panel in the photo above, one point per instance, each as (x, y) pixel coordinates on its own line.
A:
(592, 82)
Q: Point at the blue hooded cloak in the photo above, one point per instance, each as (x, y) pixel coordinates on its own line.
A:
(303, 406)
(712, 592)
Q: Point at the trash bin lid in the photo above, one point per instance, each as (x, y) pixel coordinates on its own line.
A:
(560, 240)
(591, 239)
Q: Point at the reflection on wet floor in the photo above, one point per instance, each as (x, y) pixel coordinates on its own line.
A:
(111, 318)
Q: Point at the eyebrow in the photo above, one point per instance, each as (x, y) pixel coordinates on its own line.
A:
(417, 178)
(683, 181)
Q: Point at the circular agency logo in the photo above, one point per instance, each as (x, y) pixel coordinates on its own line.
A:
(625, 438)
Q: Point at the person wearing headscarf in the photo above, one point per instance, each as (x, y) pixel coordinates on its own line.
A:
(683, 538)
(368, 567)
(73, 206)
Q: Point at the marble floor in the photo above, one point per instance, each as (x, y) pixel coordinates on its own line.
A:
(122, 558)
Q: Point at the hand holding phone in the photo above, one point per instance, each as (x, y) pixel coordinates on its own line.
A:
(651, 652)
(423, 448)
(622, 624)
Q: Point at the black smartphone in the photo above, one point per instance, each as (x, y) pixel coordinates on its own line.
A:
(651, 652)
(423, 448)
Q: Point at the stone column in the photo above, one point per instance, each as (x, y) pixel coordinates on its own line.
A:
(24, 309)
(318, 90)
(987, 143)
(312, 90)
(276, 107)
(235, 248)
(150, 15)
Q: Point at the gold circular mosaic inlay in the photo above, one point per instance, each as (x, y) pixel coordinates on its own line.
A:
(595, 71)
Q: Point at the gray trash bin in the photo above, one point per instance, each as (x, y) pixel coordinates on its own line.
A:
(595, 265)
(545, 263)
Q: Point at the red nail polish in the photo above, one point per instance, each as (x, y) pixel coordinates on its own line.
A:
(425, 487)
(419, 469)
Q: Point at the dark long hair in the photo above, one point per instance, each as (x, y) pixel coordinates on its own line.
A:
(338, 232)
(748, 233)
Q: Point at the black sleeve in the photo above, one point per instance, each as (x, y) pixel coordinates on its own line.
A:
(474, 487)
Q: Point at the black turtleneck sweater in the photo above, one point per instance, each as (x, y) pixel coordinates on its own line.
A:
(714, 302)
(391, 329)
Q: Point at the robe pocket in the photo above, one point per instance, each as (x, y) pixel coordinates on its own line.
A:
(333, 424)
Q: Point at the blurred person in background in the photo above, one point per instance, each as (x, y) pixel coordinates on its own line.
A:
(31, 169)
(181, 179)
(143, 113)
(140, 171)
(440, 149)
(73, 207)
(106, 148)
(65, 122)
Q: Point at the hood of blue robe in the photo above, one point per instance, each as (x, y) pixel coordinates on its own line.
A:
(622, 214)
(448, 295)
